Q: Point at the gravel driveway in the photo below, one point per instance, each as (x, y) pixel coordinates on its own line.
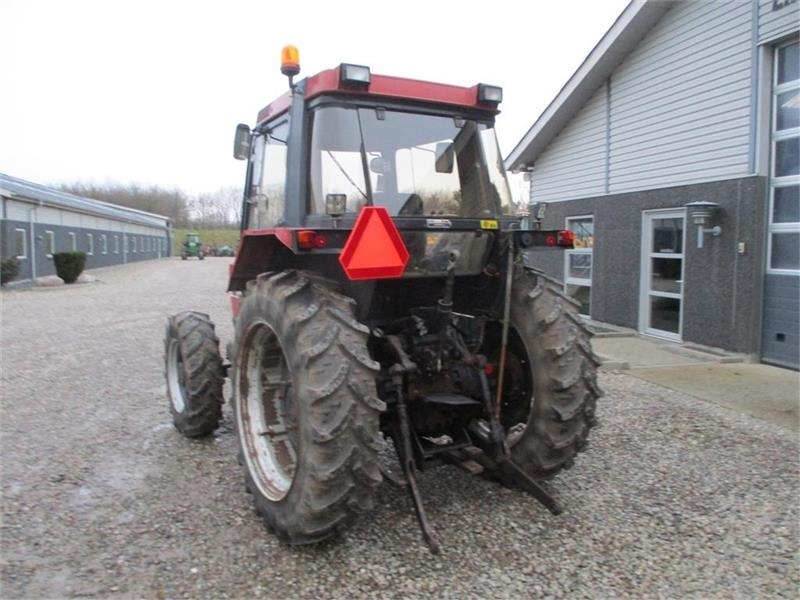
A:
(102, 497)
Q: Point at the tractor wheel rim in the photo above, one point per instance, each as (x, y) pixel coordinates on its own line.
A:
(518, 400)
(175, 376)
(266, 412)
(519, 395)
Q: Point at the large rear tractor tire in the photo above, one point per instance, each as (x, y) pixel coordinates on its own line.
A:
(306, 411)
(550, 388)
(194, 373)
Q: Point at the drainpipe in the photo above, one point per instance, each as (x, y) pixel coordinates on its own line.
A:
(3, 224)
(32, 244)
(170, 238)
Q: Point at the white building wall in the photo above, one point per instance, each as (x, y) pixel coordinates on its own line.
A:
(676, 111)
(574, 164)
(680, 103)
(70, 219)
(777, 19)
(48, 215)
(17, 211)
(89, 222)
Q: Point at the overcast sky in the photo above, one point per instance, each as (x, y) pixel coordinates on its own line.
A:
(150, 92)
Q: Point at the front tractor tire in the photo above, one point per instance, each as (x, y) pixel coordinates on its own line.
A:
(194, 373)
(305, 407)
(550, 391)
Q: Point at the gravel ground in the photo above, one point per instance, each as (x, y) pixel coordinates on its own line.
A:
(102, 497)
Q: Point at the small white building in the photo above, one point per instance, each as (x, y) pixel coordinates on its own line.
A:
(684, 107)
(37, 221)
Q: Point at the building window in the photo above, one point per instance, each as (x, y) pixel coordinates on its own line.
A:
(103, 243)
(50, 243)
(20, 244)
(116, 244)
(73, 244)
(784, 222)
(578, 262)
(133, 245)
(89, 244)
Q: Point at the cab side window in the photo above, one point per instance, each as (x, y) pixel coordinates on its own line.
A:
(266, 200)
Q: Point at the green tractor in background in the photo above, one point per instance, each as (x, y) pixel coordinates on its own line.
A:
(192, 247)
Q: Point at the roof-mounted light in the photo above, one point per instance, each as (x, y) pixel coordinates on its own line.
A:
(354, 74)
(490, 94)
(290, 61)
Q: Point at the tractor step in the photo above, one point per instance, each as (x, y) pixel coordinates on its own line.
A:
(450, 400)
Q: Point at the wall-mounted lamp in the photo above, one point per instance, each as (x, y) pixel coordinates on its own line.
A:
(702, 213)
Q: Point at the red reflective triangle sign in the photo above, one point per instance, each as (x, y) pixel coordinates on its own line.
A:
(374, 249)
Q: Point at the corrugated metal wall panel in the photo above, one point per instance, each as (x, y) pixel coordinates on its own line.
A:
(676, 119)
(777, 19)
(17, 211)
(574, 164)
(688, 173)
(704, 48)
(707, 75)
(683, 140)
(680, 103)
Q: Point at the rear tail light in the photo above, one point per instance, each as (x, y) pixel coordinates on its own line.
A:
(566, 238)
(308, 240)
(551, 238)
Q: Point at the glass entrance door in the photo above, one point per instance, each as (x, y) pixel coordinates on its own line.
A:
(661, 303)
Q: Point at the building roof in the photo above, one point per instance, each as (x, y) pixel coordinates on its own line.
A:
(623, 36)
(26, 191)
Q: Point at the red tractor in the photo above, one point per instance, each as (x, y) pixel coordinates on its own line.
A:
(382, 293)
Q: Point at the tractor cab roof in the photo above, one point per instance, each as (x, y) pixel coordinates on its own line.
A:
(355, 79)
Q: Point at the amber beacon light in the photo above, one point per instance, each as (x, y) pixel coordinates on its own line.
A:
(290, 62)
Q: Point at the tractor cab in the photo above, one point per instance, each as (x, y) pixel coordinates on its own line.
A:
(417, 148)
(347, 139)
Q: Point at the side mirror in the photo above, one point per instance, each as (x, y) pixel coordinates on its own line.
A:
(241, 142)
(445, 157)
(378, 165)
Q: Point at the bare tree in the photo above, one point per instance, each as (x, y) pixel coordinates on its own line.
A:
(169, 203)
(217, 209)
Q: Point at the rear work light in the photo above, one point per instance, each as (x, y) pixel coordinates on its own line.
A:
(354, 74)
(490, 94)
(308, 240)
